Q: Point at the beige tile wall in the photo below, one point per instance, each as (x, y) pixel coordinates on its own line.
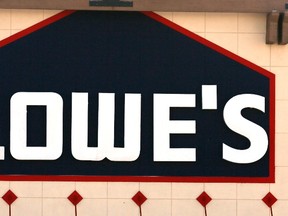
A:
(243, 34)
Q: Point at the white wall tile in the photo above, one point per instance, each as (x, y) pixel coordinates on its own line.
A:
(194, 22)
(280, 207)
(4, 208)
(27, 189)
(228, 41)
(167, 15)
(187, 208)
(92, 207)
(157, 207)
(5, 19)
(122, 190)
(14, 31)
(27, 206)
(222, 207)
(281, 150)
(252, 191)
(280, 189)
(221, 22)
(122, 207)
(203, 35)
(253, 48)
(4, 34)
(49, 13)
(252, 207)
(279, 55)
(281, 82)
(281, 118)
(92, 189)
(4, 187)
(21, 19)
(252, 22)
(58, 189)
(57, 207)
(156, 190)
(221, 191)
(268, 68)
(186, 190)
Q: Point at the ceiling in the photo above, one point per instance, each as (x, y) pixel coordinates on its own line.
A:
(151, 5)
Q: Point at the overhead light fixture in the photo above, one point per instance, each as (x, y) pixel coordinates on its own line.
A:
(272, 27)
(283, 27)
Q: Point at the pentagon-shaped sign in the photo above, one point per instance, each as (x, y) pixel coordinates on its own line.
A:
(131, 96)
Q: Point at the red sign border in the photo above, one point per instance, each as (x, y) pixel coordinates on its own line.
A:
(271, 76)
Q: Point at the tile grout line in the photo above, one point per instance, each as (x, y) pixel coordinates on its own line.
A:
(42, 199)
(107, 203)
(171, 202)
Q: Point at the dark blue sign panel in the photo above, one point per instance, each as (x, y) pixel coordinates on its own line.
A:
(130, 96)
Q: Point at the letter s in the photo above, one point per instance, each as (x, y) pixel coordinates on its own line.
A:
(236, 122)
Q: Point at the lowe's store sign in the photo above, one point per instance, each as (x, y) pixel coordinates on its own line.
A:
(130, 96)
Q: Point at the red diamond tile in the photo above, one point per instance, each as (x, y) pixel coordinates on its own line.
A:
(269, 199)
(139, 198)
(9, 197)
(204, 199)
(75, 198)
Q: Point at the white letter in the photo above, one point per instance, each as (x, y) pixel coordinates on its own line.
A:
(256, 134)
(106, 119)
(209, 97)
(132, 129)
(163, 127)
(18, 127)
(2, 152)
